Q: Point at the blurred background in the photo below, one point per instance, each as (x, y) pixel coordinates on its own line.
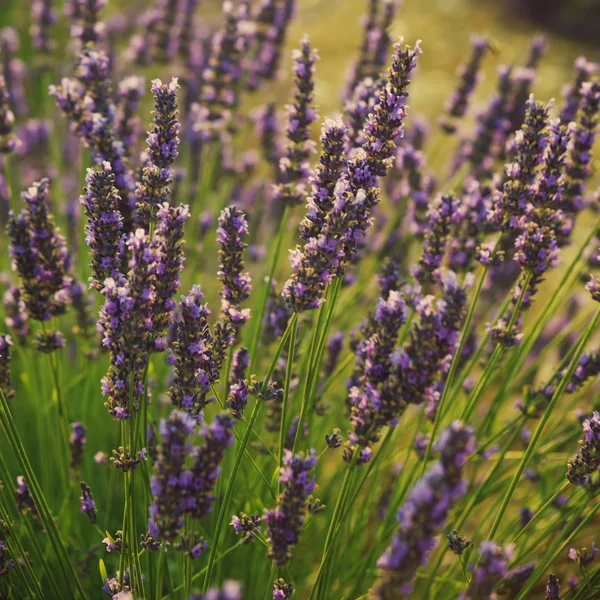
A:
(444, 26)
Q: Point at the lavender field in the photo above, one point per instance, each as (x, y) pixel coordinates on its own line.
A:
(295, 308)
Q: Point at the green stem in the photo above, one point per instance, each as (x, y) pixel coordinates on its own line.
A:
(542, 423)
(11, 432)
(286, 394)
(238, 457)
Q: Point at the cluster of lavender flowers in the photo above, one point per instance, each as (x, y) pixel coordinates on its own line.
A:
(179, 490)
(424, 513)
(285, 520)
(515, 189)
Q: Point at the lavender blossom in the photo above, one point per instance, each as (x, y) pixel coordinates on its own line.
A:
(266, 125)
(282, 589)
(286, 519)
(552, 589)
(214, 115)
(290, 188)
(86, 27)
(530, 143)
(192, 355)
(372, 368)
(77, 441)
(88, 506)
(236, 284)
(25, 503)
(247, 525)
(583, 136)
(491, 568)
(457, 543)
(587, 461)
(358, 107)
(130, 92)
(584, 70)
(47, 342)
(44, 16)
(163, 141)
(492, 124)
(126, 320)
(8, 140)
(355, 193)
(514, 580)
(39, 255)
(13, 69)
(239, 364)
(169, 239)
(331, 165)
(424, 513)
(231, 590)
(6, 564)
(104, 229)
(271, 21)
(468, 73)
(172, 494)
(207, 459)
(5, 378)
(238, 398)
(441, 215)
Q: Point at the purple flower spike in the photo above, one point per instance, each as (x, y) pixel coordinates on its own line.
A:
(8, 140)
(468, 73)
(77, 442)
(491, 567)
(171, 484)
(552, 589)
(44, 16)
(207, 459)
(232, 229)
(286, 519)
(88, 506)
(104, 229)
(39, 255)
(192, 355)
(584, 70)
(294, 164)
(441, 215)
(587, 461)
(424, 513)
(5, 378)
(169, 240)
(578, 168)
(163, 142)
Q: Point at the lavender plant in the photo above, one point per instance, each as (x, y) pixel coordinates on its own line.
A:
(420, 339)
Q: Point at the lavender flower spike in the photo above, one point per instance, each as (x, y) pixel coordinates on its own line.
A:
(163, 142)
(44, 17)
(332, 161)
(8, 140)
(171, 484)
(469, 75)
(192, 355)
(88, 506)
(77, 442)
(286, 519)
(105, 224)
(490, 569)
(552, 589)
(572, 92)
(169, 239)
(587, 461)
(293, 166)
(579, 153)
(218, 436)
(424, 513)
(5, 378)
(236, 284)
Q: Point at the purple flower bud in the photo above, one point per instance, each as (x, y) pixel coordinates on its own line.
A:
(586, 462)
(5, 378)
(88, 506)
